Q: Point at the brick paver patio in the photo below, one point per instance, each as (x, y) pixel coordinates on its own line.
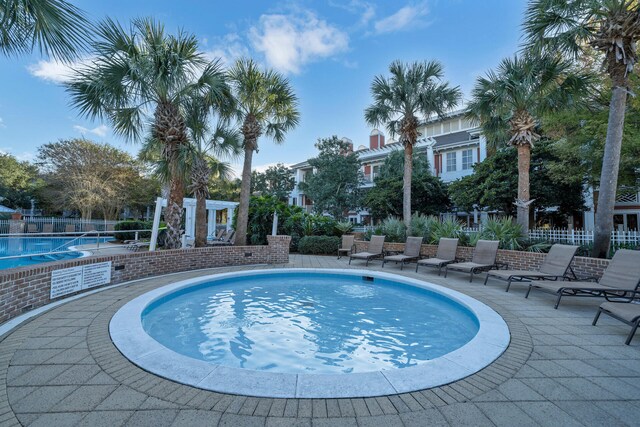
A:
(61, 368)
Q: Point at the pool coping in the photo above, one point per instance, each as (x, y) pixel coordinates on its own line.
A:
(137, 346)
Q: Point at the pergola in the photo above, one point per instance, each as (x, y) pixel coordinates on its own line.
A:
(213, 206)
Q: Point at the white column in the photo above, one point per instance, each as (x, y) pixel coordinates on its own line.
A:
(189, 221)
(229, 218)
(156, 224)
(211, 223)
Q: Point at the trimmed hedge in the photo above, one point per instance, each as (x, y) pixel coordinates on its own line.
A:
(133, 225)
(319, 245)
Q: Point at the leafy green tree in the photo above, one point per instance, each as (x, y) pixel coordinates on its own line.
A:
(333, 186)
(266, 106)
(222, 189)
(56, 27)
(612, 27)
(19, 182)
(413, 93)
(429, 193)
(493, 183)
(277, 181)
(143, 81)
(509, 103)
(87, 176)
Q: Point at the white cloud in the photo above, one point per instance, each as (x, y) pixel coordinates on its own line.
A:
(54, 71)
(101, 130)
(405, 18)
(25, 156)
(263, 168)
(2, 125)
(227, 49)
(291, 41)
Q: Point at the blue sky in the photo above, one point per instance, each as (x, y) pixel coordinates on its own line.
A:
(330, 51)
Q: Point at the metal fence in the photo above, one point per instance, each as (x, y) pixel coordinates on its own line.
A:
(39, 224)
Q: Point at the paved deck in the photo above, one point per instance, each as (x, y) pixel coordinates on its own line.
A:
(61, 368)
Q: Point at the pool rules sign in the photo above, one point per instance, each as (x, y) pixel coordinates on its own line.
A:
(74, 279)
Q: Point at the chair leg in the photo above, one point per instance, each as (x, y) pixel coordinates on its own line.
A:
(382, 263)
(558, 300)
(528, 291)
(417, 265)
(486, 279)
(401, 265)
(471, 277)
(367, 263)
(446, 270)
(508, 284)
(595, 319)
(350, 260)
(439, 270)
(633, 332)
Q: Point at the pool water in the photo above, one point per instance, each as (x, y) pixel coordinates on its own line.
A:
(12, 246)
(309, 323)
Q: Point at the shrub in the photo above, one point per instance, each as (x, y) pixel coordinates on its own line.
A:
(506, 230)
(422, 226)
(133, 225)
(448, 228)
(319, 245)
(344, 227)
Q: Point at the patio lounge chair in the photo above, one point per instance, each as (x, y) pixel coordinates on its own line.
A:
(70, 228)
(374, 250)
(47, 228)
(225, 240)
(623, 310)
(621, 276)
(446, 254)
(32, 228)
(484, 259)
(347, 246)
(411, 252)
(554, 267)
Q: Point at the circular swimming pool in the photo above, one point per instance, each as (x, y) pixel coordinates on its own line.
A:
(309, 333)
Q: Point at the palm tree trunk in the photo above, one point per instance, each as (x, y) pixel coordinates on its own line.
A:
(406, 189)
(173, 212)
(245, 196)
(201, 221)
(524, 164)
(609, 174)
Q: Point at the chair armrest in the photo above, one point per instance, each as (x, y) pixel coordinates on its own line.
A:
(581, 279)
(622, 295)
(502, 266)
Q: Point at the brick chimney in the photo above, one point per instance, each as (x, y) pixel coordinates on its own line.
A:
(376, 139)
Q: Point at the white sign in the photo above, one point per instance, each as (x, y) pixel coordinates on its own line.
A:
(74, 279)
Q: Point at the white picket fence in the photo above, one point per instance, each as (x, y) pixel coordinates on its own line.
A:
(581, 237)
(36, 224)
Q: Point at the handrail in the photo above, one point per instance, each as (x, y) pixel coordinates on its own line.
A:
(80, 237)
(36, 255)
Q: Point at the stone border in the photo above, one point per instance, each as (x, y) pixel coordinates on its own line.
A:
(135, 344)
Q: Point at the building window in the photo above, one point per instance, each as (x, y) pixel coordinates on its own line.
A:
(295, 201)
(430, 130)
(451, 162)
(446, 127)
(455, 125)
(467, 159)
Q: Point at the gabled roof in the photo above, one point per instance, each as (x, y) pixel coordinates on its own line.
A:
(4, 209)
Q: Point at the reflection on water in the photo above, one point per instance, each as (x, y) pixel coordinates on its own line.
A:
(303, 323)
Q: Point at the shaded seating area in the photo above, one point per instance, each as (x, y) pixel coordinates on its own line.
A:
(411, 252)
(484, 259)
(446, 254)
(626, 310)
(374, 250)
(226, 239)
(555, 266)
(621, 276)
(347, 245)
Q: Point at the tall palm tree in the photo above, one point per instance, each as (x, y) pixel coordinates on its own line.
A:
(413, 92)
(508, 103)
(266, 105)
(613, 28)
(56, 27)
(142, 81)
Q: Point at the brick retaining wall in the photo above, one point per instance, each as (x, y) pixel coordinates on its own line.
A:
(517, 260)
(25, 288)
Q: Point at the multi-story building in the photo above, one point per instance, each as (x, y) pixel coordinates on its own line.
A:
(452, 146)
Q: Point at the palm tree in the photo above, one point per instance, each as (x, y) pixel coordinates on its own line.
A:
(56, 27)
(414, 91)
(206, 164)
(509, 102)
(613, 28)
(266, 105)
(142, 81)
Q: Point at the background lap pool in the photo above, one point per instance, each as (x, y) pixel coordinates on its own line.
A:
(12, 246)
